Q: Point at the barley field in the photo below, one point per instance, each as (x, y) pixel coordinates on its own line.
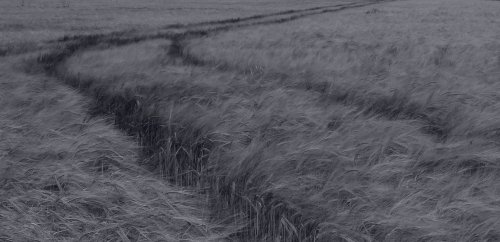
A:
(239, 120)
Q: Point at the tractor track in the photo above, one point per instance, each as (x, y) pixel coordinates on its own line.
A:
(140, 117)
(394, 107)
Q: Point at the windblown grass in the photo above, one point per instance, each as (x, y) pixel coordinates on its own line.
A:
(325, 131)
(435, 59)
(373, 124)
(31, 23)
(67, 176)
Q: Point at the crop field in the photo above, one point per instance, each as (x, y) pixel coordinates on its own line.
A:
(239, 120)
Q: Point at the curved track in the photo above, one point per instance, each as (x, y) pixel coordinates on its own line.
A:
(139, 116)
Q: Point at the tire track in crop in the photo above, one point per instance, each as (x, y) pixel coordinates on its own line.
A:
(181, 152)
(394, 107)
(193, 30)
(260, 16)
